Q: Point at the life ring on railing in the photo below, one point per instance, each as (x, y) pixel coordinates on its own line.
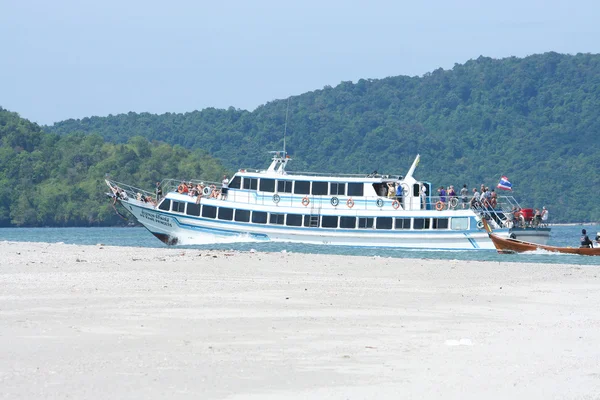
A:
(350, 202)
(276, 198)
(453, 202)
(305, 201)
(206, 191)
(379, 203)
(479, 225)
(335, 201)
(395, 204)
(439, 206)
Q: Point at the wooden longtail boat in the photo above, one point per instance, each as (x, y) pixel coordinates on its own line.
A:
(510, 246)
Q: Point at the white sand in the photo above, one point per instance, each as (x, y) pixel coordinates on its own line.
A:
(93, 322)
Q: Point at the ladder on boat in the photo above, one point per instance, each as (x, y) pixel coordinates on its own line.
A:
(315, 216)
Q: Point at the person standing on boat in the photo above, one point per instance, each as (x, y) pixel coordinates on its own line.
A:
(452, 203)
(585, 240)
(475, 199)
(544, 215)
(423, 193)
(224, 187)
(158, 192)
(399, 193)
(442, 193)
(464, 196)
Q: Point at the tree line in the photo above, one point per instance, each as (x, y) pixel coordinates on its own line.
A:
(533, 119)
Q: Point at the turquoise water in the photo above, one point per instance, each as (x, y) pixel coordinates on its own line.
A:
(140, 237)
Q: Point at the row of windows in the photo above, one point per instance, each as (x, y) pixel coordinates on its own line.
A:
(318, 188)
(324, 221)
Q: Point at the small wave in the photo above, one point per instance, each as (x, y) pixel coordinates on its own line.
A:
(212, 239)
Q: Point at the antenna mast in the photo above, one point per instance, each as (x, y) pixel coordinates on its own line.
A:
(285, 126)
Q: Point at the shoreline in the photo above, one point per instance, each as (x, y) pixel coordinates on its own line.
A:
(109, 321)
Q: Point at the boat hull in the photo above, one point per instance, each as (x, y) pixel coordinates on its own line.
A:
(508, 246)
(172, 228)
(531, 234)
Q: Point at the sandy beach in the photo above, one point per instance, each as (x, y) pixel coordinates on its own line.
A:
(99, 322)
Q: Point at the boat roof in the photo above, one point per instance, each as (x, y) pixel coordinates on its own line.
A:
(276, 170)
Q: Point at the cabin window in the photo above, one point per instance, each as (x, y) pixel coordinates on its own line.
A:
(319, 188)
(209, 211)
(348, 222)
(178, 206)
(461, 223)
(329, 221)
(267, 185)
(383, 223)
(235, 183)
(242, 215)
(293, 220)
(440, 223)
(364, 223)
(302, 187)
(337, 189)
(421, 223)
(355, 189)
(193, 209)
(276, 219)
(259, 217)
(165, 205)
(402, 223)
(225, 213)
(250, 183)
(284, 186)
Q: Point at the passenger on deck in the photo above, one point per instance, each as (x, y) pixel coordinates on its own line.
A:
(399, 193)
(486, 197)
(391, 190)
(451, 197)
(493, 198)
(544, 215)
(442, 193)
(224, 187)
(464, 196)
(585, 240)
(475, 200)
(158, 191)
(423, 194)
(200, 192)
(537, 217)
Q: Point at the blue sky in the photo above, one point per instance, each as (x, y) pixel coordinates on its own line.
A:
(72, 59)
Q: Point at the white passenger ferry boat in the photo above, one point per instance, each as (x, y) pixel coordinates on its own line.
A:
(350, 210)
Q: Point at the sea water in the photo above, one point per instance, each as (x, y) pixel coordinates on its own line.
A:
(140, 237)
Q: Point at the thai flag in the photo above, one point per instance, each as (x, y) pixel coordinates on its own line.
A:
(504, 184)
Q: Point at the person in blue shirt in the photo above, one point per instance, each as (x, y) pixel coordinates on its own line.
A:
(442, 192)
(399, 192)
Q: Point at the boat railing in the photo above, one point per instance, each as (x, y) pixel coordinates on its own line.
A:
(171, 185)
(131, 192)
(337, 175)
(314, 203)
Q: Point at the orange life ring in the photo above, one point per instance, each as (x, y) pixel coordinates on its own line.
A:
(305, 201)
(395, 204)
(439, 206)
(350, 203)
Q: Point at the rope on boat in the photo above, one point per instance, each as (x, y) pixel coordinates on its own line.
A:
(118, 213)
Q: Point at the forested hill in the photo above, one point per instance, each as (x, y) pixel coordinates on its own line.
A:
(534, 119)
(52, 180)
